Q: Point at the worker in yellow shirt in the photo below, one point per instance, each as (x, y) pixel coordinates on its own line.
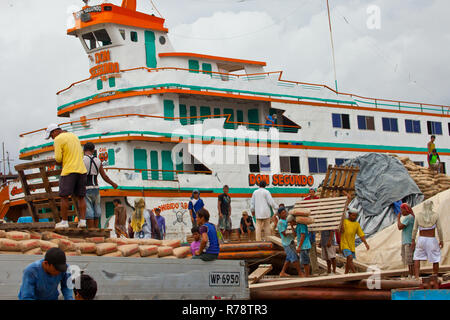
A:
(349, 228)
(72, 182)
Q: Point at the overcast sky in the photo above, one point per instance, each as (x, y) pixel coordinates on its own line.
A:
(406, 58)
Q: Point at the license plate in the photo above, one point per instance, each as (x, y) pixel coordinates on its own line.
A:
(224, 279)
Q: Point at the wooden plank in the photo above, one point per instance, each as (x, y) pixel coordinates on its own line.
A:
(322, 193)
(37, 186)
(328, 215)
(316, 207)
(322, 200)
(48, 189)
(40, 196)
(317, 229)
(260, 272)
(38, 174)
(329, 184)
(324, 280)
(356, 263)
(323, 264)
(35, 164)
(26, 226)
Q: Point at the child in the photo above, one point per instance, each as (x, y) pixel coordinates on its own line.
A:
(87, 290)
(195, 245)
(406, 226)
(246, 225)
(288, 244)
(209, 245)
(275, 218)
(161, 223)
(120, 220)
(434, 161)
(328, 249)
(349, 228)
(304, 245)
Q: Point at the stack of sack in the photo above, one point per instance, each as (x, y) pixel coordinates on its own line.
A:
(19, 242)
(429, 182)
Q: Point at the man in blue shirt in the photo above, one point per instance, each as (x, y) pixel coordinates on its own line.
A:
(195, 205)
(406, 226)
(304, 246)
(41, 278)
(209, 245)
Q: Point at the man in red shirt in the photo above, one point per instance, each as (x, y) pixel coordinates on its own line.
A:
(312, 194)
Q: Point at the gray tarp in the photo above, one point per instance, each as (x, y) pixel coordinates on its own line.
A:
(381, 181)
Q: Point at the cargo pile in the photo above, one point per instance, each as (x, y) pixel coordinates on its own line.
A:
(34, 243)
(429, 182)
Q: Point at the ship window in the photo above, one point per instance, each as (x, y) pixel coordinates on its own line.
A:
(434, 127)
(134, 36)
(290, 164)
(259, 163)
(102, 37)
(340, 161)
(162, 40)
(96, 39)
(390, 124)
(317, 165)
(366, 123)
(412, 126)
(90, 41)
(341, 120)
(122, 33)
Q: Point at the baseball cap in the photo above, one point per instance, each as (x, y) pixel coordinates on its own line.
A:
(50, 128)
(57, 258)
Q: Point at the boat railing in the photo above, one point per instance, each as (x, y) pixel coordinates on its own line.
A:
(158, 174)
(84, 123)
(368, 102)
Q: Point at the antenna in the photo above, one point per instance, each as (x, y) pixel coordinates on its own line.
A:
(156, 9)
(4, 162)
(9, 165)
(332, 47)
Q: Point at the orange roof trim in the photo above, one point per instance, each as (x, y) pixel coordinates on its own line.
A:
(119, 15)
(204, 56)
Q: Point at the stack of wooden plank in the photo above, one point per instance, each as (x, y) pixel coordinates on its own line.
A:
(326, 214)
(40, 185)
(339, 181)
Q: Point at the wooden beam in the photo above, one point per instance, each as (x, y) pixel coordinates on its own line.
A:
(260, 272)
(302, 282)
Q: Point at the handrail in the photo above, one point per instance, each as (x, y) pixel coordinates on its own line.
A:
(165, 118)
(279, 79)
(158, 170)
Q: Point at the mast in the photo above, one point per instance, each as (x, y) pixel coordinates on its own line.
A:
(332, 47)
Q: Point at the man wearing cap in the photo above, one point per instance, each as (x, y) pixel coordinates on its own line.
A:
(41, 278)
(72, 182)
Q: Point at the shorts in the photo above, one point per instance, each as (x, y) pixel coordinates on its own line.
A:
(225, 222)
(74, 184)
(304, 257)
(347, 252)
(291, 253)
(328, 253)
(244, 228)
(206, 256)
(427, 248)
(93, 208)
(407, 254)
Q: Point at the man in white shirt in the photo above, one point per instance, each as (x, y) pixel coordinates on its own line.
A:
(260, 206)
